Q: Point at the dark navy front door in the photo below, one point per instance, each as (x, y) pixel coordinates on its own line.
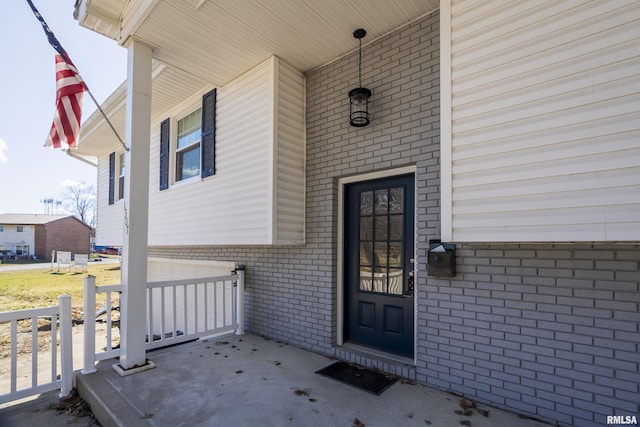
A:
(378, 248)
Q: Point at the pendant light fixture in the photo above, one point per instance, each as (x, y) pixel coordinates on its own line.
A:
(359, 97)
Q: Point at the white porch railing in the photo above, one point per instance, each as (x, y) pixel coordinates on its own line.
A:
(57, 379)
(177, 311)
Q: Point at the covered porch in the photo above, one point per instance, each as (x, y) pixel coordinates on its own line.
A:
(248, 380)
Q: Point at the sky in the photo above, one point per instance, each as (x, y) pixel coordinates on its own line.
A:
(29, 172)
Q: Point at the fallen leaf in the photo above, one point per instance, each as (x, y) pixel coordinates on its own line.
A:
(466, 412)
(358, 423)
(222, 342)
(464, 404)
(427, 422)
(299, 392)
(466, 423)
(239, 371)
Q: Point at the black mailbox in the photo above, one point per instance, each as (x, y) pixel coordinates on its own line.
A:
(441, 259)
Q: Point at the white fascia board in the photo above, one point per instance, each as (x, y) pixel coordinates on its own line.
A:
(446, 207)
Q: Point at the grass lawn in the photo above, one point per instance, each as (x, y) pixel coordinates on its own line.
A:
(21, 290)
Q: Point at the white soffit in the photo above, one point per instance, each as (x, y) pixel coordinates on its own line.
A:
(170, 88)
(218, 40)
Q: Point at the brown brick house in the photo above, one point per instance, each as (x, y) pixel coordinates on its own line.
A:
(37, 235)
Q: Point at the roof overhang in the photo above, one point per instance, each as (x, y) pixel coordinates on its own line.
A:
(211, 42)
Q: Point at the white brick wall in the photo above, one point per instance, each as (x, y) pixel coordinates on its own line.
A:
(547, 330)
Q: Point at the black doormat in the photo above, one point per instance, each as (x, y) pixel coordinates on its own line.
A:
(363, 378)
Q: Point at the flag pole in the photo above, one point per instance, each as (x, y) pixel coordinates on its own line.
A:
(107, 119)
(53, 41)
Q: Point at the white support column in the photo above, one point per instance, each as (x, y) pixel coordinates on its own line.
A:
(90, 325)
(136, 182)
(240, 300)
(66, 345)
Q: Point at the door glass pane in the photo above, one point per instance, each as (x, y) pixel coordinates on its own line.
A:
(395, 281)
(396, 200)
(366, 280)
(396, 227)
(382, 225)
(380, 281)
(395, 254)
(366, 253)
(366, 228)
(366, 203)
(381, 256)
(382, 201)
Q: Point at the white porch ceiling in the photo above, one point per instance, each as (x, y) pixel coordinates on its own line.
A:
(218, 40)
(200, 43)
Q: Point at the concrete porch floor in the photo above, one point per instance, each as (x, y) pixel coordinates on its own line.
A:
(251, 381)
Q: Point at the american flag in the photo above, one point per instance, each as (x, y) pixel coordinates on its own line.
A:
(70, 86)
(66, 120)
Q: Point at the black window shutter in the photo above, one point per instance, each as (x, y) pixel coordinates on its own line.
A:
(112, 177)
(164, 154)
(208, 134)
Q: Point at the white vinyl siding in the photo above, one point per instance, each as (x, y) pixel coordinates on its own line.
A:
(290, 156)
(544, 121)
(110, 218)
(235, 206)
(160, 269)
(13, 239)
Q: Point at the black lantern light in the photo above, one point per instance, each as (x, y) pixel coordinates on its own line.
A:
(359, 97)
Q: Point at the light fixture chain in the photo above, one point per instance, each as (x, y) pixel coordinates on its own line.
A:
(360, 64)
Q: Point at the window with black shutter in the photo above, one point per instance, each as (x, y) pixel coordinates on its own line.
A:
(194, 150)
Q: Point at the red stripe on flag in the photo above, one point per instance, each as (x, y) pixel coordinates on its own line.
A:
(65, 129)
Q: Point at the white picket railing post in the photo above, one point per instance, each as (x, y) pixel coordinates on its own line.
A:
(240, 300)
(66, 344)
(89, 325)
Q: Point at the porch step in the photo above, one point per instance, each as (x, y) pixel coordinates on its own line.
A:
(111, 409)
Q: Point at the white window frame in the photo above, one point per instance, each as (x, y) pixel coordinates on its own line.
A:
(22, 246)
(174, 145)
(120, 188)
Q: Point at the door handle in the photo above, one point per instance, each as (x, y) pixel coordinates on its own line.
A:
(410, 285)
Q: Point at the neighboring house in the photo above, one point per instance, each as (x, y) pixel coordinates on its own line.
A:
(509, 130)
(34, 235)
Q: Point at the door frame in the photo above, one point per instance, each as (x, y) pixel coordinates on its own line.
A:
(342, 182)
